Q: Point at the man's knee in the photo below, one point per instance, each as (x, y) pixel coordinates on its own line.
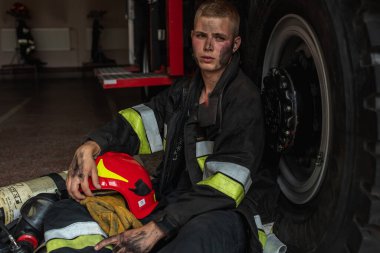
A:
(218, 231)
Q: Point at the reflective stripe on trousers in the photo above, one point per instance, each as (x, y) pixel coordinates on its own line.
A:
(78, 235)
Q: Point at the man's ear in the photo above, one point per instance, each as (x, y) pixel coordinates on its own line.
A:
(236, 45)
(192, 33)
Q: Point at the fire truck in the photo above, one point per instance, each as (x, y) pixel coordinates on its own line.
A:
(317, 63)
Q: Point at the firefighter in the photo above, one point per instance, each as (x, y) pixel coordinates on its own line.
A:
(25, 41)
(210, 128)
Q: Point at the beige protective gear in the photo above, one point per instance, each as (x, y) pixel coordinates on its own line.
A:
(111, 213)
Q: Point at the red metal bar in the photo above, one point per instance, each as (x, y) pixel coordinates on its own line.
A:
(174, 27)
(137, 82)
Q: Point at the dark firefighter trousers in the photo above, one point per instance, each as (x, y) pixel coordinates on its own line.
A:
(220, 231)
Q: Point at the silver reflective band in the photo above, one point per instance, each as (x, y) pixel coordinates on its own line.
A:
(151, 127)
(274, 245)
(237, 172)
(165, 130)
(204, 148)
(74, 230)
(258, 222)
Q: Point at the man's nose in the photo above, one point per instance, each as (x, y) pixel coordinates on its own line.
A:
(208, 45)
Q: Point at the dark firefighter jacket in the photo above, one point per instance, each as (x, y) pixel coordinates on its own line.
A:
(24, 38)
(218, 147)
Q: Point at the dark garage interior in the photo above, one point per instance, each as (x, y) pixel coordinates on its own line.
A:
(40, 127)
(68, 67)
(48, 105)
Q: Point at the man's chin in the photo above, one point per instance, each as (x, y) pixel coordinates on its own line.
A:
(211, 69)
(207, 66)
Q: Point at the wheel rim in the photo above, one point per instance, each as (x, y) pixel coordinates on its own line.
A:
(300, 109)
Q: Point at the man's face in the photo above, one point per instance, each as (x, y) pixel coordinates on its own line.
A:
(213, 43)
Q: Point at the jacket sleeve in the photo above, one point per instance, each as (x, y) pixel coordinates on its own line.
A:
(135, 130)
(228, 171)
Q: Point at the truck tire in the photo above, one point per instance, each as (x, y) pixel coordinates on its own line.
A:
(318, 65)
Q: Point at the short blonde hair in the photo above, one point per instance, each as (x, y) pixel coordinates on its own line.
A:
(219, 9)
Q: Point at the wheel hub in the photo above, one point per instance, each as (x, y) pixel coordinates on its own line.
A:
(280, 109)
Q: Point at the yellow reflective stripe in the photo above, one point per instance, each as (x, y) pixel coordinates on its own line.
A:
(105, 173)
(260, 230)
(164, 143)
(262, 237)
(225, 185)
(79, 242)
(201, 162)
(239, 173)
(202, 150)
(136, 122)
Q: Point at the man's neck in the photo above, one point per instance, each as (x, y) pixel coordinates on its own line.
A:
(210, 79)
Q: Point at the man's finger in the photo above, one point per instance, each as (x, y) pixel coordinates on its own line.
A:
(106, 242)
(76, 194)
(85, 186)
(68, 182)
(95, 179)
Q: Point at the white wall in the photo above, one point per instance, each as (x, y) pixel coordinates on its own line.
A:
(72, 15)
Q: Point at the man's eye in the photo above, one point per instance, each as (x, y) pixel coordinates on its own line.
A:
(220, 38)
(200, 35)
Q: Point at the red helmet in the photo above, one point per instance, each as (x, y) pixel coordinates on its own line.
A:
(19, 10)
(122, 173)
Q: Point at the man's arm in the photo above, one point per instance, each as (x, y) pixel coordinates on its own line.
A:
(136, 130)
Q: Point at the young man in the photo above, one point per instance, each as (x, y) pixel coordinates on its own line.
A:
(211, 129)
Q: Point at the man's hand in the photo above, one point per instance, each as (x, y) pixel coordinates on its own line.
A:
(82, 166)
(139, 240)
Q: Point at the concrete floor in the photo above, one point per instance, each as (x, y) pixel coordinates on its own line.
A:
(40, 128)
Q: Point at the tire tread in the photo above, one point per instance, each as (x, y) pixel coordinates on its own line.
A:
(369, 17)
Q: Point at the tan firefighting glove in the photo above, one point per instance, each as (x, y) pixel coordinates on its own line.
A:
(111, 213)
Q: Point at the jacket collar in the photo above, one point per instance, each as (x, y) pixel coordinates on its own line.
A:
(207, 115)
(232, 69)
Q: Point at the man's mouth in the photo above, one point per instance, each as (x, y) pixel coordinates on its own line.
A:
(207, 59)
